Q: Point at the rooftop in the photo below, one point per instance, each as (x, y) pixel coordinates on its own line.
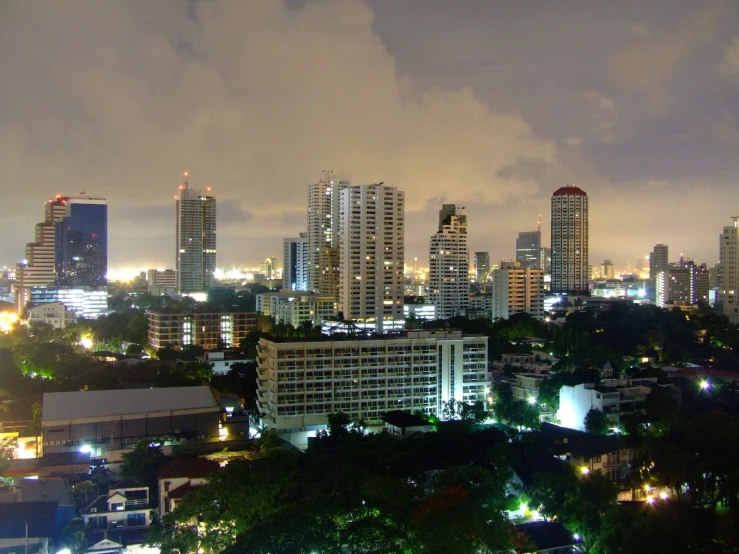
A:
(40, 490)
(89, 404)
(581, 443)
(399, 418)
(32, 519)
(194, 468)
(569, 190)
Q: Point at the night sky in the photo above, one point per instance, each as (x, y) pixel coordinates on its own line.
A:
(488, 104)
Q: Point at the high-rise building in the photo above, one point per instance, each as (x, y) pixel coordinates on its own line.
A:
(81, 239)
(682, 283)
(545, 259)
(196, 239)
(323, 219)
(449, 264)
(517, 290)
(727, 294)
(528, 249)
(658, 261)
(371, 254)
(570, 240)
(607, 270)
(482, 266)
(295, 263)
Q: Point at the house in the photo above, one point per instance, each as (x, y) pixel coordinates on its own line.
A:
(549, 537)
(26, 527)
(126, 506)
(51, 490)
(402, 424)
(181, 476)
(610, 455)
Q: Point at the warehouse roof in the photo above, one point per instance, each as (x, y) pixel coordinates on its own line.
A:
(84, 404)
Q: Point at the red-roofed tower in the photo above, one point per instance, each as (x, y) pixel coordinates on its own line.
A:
(570, 240)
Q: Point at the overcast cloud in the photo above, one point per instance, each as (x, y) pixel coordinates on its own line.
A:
(488, 104)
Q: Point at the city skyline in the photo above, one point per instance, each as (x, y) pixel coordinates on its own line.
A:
(133, 94)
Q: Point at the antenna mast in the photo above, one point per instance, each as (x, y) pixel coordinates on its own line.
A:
(538, 224)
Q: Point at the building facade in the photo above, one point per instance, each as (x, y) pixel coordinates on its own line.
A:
(296, 307)
(300, 383)
(482, 266)
(81, 238)
(727, 293)
(201, 327)
(617, 398)
(682, 283)
(570, 272)
(528, 249)
(55, 314)
(196, 239)
(295, 263)
(87, 302)
(517, 290)
(372, 255)
(658, 262)
(449, 264)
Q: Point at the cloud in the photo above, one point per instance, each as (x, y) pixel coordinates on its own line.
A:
(604, 115)
(639, 30)
(729, 67)
(648, 64)
(255, 98)
(726, 133)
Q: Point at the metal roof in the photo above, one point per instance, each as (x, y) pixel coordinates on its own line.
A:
(88, 404)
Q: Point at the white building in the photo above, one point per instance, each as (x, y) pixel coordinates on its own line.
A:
(295, 307)
(124, 507)
(517, 290)
(449, 263)
(569, 268)
(55, 314)
(300, 383)
(420, 311)
(727, 294)
(658, 261)
(614, 397)
(87, 302)
(480, 306)
(295, 263)
(196, 239)
(371, 250)
(179, 477)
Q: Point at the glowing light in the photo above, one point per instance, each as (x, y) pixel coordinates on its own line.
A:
(616, 430)
(576, 537)
(705, 385)
(186, 173)
(86, 342)
(8, 321)
(584, 470)
(86, 448)
(663, 495)
(647, 488)
(650, 500)
(532, 400)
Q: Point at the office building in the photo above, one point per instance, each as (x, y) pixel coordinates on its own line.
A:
(323, 220)
(201, 326)
(367, 378)
(517, 290)
(196, 239)
(658, 261)
(87, 302)
(528, 249)
(296, 307)
(81, 239)
(570, 241)
(55, 314)
(727, 293)
(449, 264)
(295, 263)
(482, 266)
(371, 250)
(682, 284)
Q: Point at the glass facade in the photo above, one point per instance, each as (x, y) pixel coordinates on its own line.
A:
(82, 244)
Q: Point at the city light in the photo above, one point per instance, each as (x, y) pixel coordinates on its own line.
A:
(8, 321)
(532, 400)
(584, 470)
(705, 385)
(86, 343)
(663, 495)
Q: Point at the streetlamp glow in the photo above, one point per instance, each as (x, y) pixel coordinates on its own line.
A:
(705, 384)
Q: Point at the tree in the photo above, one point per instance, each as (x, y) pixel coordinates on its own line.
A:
(74, 536)
(143, 462)
(597, 422)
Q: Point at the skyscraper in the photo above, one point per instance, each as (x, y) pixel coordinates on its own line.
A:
(528, 249)
(658, 261)
(295, 263)
(517, 290)
(482, 266)
(323, 220)
(371, 254)
(81, 239)
(449, 264)
(727, 294)
(570, 240)
(196, 239)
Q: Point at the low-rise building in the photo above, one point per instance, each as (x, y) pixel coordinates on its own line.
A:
(55, 314)
(26, 527)
(223, 360)
(125, 506)
(402, 424)
(181, 476)
(295, 307)
(614, 397)
(201, 326)
(106, 423)
(524, 362)
(300, 383)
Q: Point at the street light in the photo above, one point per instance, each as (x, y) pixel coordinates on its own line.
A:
(705, 384)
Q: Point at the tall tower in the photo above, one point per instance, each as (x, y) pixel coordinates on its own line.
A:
(570, 240)
(196, 239)
(371, 254)
(727, 293)
(323, 237)
(81, 243)
(449, 264)
(528, 249)
(658, 261)
(482, 266)
(295, 263)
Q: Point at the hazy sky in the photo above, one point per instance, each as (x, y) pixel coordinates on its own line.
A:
(488, 104)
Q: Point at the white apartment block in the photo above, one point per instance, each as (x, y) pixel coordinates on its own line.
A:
(570, 271)
(371, 250)
(323, 221)
(295, 307)
(300, 383)
(517, 290)
(727, 295)
(449, 264)
(295, 263)
(55, 314)
(196, 239)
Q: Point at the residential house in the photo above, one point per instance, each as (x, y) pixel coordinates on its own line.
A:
(402, 424)
(126, 506)
(181, 476)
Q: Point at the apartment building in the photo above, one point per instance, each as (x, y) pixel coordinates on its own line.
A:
(295, 307)
(517, 290)
(202, 327)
